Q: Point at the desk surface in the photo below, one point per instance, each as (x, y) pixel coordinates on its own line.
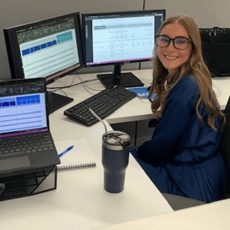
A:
(206, 217)
(80, 202)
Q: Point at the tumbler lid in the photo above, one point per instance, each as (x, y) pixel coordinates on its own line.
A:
(116, 140)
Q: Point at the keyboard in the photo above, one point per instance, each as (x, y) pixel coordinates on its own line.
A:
(103, 104)
(25, 144)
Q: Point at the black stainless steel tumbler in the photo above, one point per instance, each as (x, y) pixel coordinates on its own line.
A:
(115, 159)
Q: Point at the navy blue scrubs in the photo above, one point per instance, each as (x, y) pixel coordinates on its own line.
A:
(183, 157)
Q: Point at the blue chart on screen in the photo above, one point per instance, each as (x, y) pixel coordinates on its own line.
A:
(22, 113)
(16, 101)
(59, 39)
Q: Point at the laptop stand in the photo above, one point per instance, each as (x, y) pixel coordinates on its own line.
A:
(28, 183)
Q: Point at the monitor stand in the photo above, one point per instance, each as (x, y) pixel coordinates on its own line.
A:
(56, 101)
(118, 78)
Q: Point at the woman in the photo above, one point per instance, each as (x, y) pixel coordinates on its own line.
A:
(183, 156)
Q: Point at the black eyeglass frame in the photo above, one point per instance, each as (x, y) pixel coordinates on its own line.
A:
(173, 39)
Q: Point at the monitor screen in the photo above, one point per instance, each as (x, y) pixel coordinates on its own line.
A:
(117, 38)
(46, 49)
(22, 107)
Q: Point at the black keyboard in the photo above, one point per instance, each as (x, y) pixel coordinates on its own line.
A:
(103, 104)
(26, 144)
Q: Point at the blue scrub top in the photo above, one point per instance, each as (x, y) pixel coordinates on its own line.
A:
(183, 157)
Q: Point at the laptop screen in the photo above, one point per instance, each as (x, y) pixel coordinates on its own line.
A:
(22, 107)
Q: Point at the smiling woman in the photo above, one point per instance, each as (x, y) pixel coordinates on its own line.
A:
(173, 54)
(183, 156)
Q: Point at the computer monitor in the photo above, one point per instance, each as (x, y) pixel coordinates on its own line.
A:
(48, 48)
(118, 38)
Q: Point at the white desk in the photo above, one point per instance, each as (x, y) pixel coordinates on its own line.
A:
(205, 217)
(80, 201)
(221, 87)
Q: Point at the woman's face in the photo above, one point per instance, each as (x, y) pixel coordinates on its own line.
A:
(170, 57)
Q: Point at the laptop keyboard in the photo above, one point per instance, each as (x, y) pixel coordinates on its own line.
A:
(26, 144)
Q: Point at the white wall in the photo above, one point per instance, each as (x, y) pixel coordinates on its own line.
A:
(207, 13)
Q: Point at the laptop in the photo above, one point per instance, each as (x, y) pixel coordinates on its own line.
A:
(25, 140)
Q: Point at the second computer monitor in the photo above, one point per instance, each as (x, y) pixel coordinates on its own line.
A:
(120, 37)
(49, 48)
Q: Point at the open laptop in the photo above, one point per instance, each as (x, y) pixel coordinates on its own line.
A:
(25, 139)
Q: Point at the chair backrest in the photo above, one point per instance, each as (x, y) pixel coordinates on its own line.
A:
(225, 144)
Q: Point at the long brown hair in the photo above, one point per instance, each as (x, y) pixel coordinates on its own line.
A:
(195, 65)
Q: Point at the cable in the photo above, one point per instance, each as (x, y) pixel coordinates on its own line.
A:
(86, 86)
(61, 90)
(2, 188)
(68, 86)
(55, 89)
(83, 84)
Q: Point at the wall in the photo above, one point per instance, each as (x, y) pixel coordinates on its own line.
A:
(17, 12)
(207, 13)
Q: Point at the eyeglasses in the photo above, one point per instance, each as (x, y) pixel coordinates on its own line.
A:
(180, 43)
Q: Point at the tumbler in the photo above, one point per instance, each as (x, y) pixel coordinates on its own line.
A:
(115, 158)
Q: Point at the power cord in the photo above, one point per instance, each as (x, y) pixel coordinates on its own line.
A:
(68, 86)
(2, 188)
(86, 87)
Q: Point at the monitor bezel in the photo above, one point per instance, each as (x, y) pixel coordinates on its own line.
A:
(13, 51)
(110, 14)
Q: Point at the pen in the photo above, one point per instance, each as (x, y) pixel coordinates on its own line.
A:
(65, 151)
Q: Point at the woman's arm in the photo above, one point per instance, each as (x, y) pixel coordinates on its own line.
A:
(176, 118)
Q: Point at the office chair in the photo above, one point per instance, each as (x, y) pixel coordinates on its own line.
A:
(225, 146)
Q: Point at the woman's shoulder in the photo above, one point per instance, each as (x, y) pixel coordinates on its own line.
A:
(187, 85)
(188, 81)
(186, 91)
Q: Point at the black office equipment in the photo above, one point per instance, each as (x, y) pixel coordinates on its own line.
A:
(28, 183)
(117, 38)
(48, 49)
(216, 50)
(225, 146)
(103, 104)
(26, 143)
